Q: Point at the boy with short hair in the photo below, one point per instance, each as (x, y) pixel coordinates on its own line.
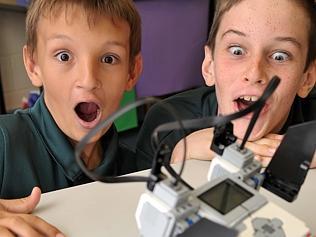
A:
(84, 54)
(250, 42)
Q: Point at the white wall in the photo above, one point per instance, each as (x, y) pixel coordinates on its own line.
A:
(12, 38)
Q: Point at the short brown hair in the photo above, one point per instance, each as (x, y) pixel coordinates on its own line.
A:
(223, 6)
(117, 9)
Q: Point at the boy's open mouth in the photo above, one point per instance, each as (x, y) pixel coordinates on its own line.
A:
(244, 102)
(87, 111)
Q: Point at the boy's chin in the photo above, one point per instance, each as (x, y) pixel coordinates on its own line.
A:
(79, 136)
(240, 131)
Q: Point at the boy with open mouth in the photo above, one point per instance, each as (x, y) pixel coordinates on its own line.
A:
(250, 42)
(84, 54)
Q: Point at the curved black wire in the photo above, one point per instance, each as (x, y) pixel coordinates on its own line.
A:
(218, 120)
(180, 124)
(84, 141)
(155, 146)
(274, 83)
(113, 179)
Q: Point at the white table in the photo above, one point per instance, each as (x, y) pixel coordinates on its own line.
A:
(99, 209)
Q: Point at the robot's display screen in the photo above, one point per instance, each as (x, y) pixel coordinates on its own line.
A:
(225, 196)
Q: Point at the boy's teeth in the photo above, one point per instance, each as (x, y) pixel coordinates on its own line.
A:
(254, 98)
(249, 98)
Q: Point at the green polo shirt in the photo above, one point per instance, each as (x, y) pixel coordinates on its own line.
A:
(199, 103)
(35, 152)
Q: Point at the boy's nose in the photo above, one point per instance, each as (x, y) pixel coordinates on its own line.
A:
(256, 73)
(255, 80)
(87, 77)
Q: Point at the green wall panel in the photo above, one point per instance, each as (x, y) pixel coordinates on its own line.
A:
(129, 119)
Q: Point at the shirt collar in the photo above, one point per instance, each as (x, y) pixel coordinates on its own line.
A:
(61, 149)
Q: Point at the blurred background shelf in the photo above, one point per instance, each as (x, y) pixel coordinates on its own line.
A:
(14, 5)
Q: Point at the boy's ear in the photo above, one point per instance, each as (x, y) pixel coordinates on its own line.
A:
(309, 80)
(135, 72)
(208, 67)
(31, 67)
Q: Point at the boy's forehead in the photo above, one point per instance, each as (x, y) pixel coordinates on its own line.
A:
(75, 25)
(70, 14)
(271, 13)
(282, 7)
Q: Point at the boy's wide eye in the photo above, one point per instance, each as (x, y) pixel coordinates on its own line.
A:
(108, 59)
(236, 50)
(63, 56)
(280, 56)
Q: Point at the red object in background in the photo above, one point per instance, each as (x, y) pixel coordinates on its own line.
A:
(30, 101)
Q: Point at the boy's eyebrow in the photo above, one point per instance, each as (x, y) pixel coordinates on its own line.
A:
(117, 43)
(231, 31)
(111, 42)
(289, 39)
(59, 36)
(279, 38)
